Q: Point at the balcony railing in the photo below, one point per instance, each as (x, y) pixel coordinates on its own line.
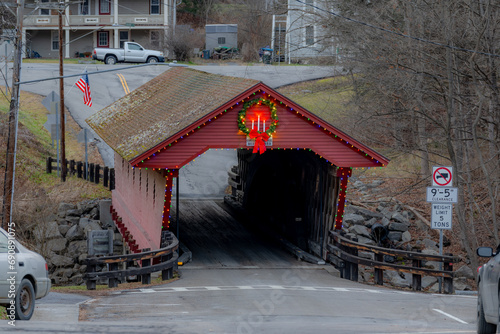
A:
(93, 20)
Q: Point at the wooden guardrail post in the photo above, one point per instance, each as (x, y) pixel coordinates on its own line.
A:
(79, 169)
(347, 269)
(48, 165)
(379, 273)
(91, 283)
(354, 266)
(96, 176)
(167, 273)
(111, 179)
(71, 170)
(105, 176)
(448, 281)
(91, 172)
(113, 281)
(146, 278)
(416, 278)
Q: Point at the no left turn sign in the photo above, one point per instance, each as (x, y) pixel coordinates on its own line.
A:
(442, 176)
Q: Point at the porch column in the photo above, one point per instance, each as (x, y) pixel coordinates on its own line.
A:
(343, 173)
(115, 22)
(66, 32)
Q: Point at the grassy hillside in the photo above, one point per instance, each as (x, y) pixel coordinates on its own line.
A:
(34, 189)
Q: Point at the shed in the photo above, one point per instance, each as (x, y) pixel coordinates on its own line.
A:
(221, 35)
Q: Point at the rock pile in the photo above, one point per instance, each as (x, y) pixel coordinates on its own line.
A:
(391, 217)
(62, 241)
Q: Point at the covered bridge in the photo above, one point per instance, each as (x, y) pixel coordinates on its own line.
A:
(293, 167)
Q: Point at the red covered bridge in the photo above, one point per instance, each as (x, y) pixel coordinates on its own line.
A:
(293, 167)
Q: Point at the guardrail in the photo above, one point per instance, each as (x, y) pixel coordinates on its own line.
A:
(163, 260)
(344, 254)
(78, 168)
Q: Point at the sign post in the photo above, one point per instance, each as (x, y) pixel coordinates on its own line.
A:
(442, 195)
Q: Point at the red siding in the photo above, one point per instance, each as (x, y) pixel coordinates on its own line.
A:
(294, 131)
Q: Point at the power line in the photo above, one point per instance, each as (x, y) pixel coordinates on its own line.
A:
(401, 34)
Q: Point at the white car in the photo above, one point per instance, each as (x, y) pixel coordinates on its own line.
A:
(24, 277)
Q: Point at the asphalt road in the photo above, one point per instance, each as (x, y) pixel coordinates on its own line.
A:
(240, 282)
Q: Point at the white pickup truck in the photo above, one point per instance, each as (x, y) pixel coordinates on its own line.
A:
(131, 53)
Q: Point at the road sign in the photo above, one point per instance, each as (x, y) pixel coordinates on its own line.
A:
(441, 216)
(52, 97)
(442, 176)
(442, 194)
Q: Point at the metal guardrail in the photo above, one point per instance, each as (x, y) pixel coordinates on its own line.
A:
(344, 254)
(163, 259)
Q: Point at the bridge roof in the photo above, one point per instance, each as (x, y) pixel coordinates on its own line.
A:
(183, 112)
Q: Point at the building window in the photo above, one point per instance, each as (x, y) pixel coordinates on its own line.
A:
(55, 40)
(44, 11)
(309, 35)
(154, 38)
(104, 7)
(155, 7)
(123, 38)
(103, 39)
(221, 40)
(84, 7)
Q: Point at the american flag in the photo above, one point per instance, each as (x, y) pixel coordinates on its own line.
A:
(84, 86)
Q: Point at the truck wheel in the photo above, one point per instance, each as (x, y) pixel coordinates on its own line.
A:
(25, 300)
(110, 60)
(152, 60)
(483, 327)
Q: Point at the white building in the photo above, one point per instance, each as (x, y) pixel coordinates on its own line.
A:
(97, 23)
(301, 34)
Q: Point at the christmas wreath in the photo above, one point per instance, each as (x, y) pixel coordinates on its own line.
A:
(243, 112)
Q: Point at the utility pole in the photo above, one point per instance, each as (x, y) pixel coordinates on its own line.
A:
(8, 188)
(61, 93)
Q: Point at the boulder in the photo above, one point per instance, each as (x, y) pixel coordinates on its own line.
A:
(93, 225)
(395, 236)
(360, 230)
(464, 271)
(75, 232)
(354, 219)
(56, 245)
(461, 284)
(366, 241)
(74, 213)
(63, 207)
(77, 248)
(406, 236)
(47, 231)
(367, 214)
(427, 281)
(63, 229)
(385, 222)
(398, 217)
(77, 279)
(398, 227)
(72, 220)
(60, 261)
(400, 280)
(430, 244)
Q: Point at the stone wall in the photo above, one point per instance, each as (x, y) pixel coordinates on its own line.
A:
(62, 241)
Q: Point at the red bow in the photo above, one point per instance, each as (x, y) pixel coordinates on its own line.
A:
(260, 139)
